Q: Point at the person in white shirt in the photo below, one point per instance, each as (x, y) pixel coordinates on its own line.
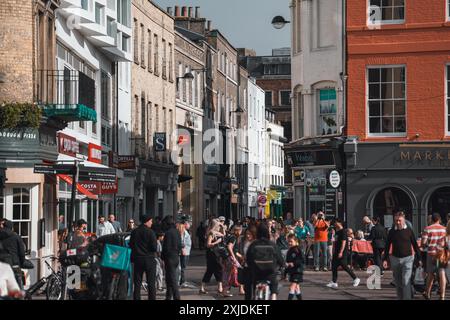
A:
(104, 227)
(8, 284)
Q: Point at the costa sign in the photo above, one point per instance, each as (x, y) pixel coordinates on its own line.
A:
(94, 153)
(99, 188)
(68, 145)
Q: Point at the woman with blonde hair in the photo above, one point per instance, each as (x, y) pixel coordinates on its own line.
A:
(442, 256)
(214, 266)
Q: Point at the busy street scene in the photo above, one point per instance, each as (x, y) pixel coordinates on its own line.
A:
(231, 150)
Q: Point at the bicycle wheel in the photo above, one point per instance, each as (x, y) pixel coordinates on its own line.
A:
(54, 289)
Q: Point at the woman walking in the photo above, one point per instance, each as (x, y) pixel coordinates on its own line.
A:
(213, 257)
(231, 263)
(442, 257)
(245, 275)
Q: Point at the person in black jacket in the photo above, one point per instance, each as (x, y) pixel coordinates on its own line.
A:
(295, 262)
(143, 246)
(171, 251)
(378, 236)
(13, 244)
(264, 248)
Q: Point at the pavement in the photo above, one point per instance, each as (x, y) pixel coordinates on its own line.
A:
(313, 287)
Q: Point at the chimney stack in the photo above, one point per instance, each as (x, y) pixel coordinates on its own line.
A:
(208, 25)
(177, 11)
(191, 12)
(197, 12)
(169, 10)
(184, 11)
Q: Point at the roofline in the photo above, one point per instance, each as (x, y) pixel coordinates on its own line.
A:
(225, 38)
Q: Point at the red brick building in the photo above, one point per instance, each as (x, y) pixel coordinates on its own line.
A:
(398, 112)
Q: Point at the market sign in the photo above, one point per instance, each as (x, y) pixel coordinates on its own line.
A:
(68, 145)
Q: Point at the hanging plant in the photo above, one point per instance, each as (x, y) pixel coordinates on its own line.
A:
(20, 116)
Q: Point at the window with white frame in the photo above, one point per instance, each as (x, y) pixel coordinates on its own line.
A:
(387, 100)
(448, 99)
(387, 11)
(22, 214)
(327, 111)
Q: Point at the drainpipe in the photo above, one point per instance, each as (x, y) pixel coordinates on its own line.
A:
(344, 66)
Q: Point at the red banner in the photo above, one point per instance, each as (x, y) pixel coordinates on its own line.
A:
(68, 145)
(95, 153)
(80, 188)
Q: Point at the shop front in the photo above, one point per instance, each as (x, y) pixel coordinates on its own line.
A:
(312, 190)
(383, 178)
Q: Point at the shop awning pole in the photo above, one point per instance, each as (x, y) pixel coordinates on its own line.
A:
(73, 196)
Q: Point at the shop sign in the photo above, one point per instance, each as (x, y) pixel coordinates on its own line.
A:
(68, 145)
(99, 188)
(335, 179)
(109, 188)
(126, 162)
(159, 141)
(311, 158)
(95, 153)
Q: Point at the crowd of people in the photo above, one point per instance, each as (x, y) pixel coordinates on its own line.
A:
(241, 254)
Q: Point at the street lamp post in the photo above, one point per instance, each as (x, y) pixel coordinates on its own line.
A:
(279, 22)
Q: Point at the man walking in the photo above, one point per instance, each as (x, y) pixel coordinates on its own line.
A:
(116, 224)
(321, 242)
(104, 227)
(143, 246)
(171, 256)
(433, 235)
(403, 240)
(378, 236)
(340, 255)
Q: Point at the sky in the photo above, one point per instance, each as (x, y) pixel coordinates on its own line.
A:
(245, 23)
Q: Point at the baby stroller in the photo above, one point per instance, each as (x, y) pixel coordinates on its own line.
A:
(115, 265)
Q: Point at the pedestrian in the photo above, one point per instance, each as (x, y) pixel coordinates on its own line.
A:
(131, 225)
(264, 259)
(403, 240)
(289, 221)
(159, 262)
(232, 264)
(331, 235)
(295, 261)
(321, 242)
(310, 240)
(9, 288)
(244, 274)
(13, 245)
(77, 238)
(186, 242)
(302, 233)
(116, 224)
(432, 235)
(171, 256)
(104, 227)
(367, 226)
(378, 237)
(143, 246)
(214, 266)
(201, 234)
(340, 255)
(442, 257)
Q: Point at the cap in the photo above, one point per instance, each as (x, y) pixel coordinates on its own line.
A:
(221, 218)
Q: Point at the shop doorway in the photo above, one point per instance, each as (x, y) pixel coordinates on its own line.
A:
(389, 201)
(439, 202)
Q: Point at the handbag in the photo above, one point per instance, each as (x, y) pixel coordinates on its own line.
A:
(442, 257)
(116, 257)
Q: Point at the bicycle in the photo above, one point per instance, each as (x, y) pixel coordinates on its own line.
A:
(53, 289)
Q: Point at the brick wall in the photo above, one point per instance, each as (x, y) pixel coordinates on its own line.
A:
(16, 50)
(422, 44)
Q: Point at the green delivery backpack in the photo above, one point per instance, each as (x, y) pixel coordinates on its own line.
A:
(116, 257)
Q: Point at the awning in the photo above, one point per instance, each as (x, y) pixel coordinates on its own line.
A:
(80, 188)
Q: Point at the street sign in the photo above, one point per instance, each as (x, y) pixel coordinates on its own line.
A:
(54, 169)
(159, 141)
(335, 179)
(97, 174)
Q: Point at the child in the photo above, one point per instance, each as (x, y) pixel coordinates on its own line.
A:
(295, 261)
(159, 263)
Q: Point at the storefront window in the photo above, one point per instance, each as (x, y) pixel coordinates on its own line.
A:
(22, 214)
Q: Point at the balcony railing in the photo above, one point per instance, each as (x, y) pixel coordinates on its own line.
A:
(68, 95)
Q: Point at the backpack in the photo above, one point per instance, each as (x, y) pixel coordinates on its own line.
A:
(264, 258)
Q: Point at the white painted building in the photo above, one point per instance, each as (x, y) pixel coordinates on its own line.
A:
(94, 70)
(257, 136)
(318, 75)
